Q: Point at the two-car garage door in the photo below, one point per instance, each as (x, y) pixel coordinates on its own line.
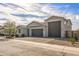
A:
(37, 32)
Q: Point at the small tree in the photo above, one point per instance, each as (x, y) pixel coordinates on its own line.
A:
(10, 29)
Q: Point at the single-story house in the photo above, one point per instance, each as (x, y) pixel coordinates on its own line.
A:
(21, 30)
(54, 26)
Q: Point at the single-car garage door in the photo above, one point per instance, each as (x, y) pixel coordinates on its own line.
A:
(37, 32)
(54, 29)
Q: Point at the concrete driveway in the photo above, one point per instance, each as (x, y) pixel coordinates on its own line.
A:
(24, 48)
(16, 47)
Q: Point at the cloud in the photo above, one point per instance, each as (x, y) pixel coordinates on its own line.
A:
(32, 12)
(28, 15)
(35, 11)
(75, 22)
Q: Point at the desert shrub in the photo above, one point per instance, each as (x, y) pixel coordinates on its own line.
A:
(22, 35)
(17, 35)
(72, 40)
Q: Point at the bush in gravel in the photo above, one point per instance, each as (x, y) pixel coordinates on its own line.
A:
(16, 35)
(23, 35)
(72, 40)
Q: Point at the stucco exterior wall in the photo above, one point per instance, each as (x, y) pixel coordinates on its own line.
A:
(63, 29)
(23, 30)
(66, 26)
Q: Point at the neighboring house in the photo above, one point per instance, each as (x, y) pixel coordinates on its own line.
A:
(21, 30)
(1, 30)
(54, 26)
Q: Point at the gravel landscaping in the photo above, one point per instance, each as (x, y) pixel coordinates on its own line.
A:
(57, 41)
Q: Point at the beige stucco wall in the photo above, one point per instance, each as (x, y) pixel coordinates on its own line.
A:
(66, 26)
(63, 29)
(23, 30)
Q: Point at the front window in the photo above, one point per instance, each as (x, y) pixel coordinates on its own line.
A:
(19, 30)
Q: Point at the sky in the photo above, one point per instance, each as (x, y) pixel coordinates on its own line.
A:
(24, 13)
